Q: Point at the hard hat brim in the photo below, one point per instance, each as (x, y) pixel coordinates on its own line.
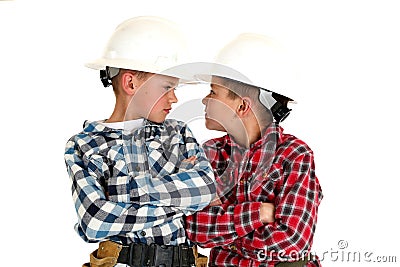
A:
(204, 71)
(176, 72)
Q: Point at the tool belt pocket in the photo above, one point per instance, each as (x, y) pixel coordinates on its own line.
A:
(200, 259)
(105, 256)
(300, 263)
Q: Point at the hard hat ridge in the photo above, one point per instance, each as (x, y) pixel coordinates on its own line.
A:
(261, 62)
(145, 43)
(262, 59)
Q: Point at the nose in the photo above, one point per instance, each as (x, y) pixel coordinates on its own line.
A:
(205, 100)
(172, 97)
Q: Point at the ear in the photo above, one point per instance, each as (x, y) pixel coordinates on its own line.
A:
(129, 82)
(244, 106)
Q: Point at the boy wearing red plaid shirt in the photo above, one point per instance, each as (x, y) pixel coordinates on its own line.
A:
(268, 193)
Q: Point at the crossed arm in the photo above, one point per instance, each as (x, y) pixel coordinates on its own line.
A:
(155, 200)
(100, 218)
(244, 224)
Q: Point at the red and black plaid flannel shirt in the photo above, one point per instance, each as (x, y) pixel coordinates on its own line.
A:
(278, 168)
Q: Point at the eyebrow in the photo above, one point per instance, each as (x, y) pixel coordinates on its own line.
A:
(214, 85)
(171, 83)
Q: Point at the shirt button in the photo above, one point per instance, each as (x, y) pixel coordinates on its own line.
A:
(232, 247)
(143, 233)
(137, 168)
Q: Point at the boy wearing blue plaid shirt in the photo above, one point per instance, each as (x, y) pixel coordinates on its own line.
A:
(137, 174)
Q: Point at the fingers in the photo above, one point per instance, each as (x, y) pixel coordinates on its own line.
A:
(216, 202)
(191, 159)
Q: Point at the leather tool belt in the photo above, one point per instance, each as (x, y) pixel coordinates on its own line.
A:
(300, 263)
(142, 255)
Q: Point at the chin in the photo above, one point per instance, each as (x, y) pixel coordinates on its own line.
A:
(214, 125)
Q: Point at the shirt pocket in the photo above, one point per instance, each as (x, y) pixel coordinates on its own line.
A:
(97, 167)
(266, 185)
(164, 157)
(227, 179)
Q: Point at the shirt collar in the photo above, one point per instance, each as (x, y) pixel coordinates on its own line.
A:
(273, 133)
(130, 125)
(98, 126)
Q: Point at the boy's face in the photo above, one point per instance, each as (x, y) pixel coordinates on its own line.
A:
(155, 97)
(219, 107)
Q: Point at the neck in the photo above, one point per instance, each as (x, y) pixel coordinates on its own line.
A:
(116, 116)
(247, 133)
(120, 111)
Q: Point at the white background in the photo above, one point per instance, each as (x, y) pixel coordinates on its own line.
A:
(348, 53)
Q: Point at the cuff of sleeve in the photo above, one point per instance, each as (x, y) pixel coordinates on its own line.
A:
(247, 217)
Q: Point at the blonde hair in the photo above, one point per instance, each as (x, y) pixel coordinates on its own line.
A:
(141, 75)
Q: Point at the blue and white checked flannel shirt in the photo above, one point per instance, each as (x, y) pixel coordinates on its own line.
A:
(133, 186)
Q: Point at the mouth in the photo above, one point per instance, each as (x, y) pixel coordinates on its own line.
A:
(167, 110)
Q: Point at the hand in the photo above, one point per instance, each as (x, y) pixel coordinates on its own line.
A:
(191, 159)
(267, 213)
(215, 202)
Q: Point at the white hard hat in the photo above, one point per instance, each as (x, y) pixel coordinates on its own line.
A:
(257, 60)
(145, 43)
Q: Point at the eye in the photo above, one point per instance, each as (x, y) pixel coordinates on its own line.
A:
(212, 92)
